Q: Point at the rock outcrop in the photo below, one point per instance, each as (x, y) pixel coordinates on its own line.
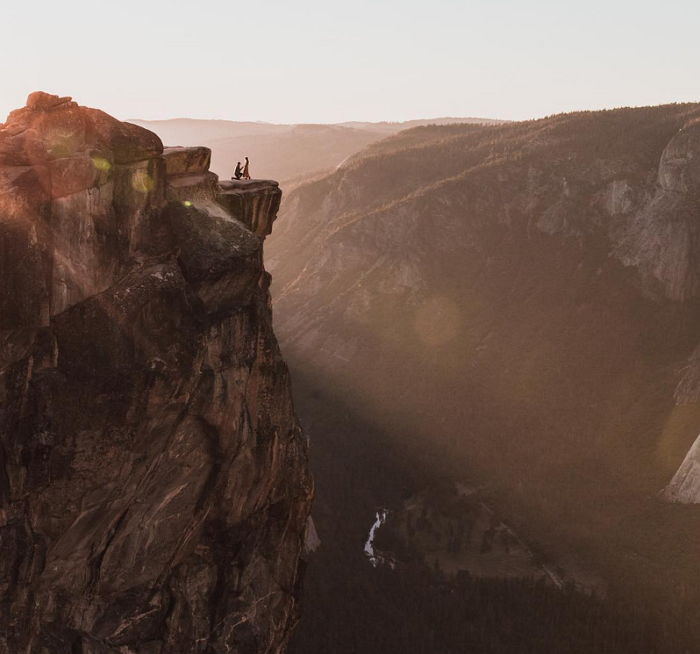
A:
(685, 485)
(660, 237)
(154, 490)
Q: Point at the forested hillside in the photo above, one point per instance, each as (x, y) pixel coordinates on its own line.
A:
(516, 306)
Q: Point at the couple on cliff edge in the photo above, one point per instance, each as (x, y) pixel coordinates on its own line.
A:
(242, 172)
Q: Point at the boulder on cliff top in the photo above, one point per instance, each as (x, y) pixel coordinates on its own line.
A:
(192, 160)
(50, 127)
(45, 101)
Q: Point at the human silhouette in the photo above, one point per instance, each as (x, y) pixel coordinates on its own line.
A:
(246, 172)
(238, 173)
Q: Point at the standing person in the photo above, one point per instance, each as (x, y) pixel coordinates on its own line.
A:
(238, 173)
(246, 172)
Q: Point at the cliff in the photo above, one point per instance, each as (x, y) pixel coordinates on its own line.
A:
(153, 482)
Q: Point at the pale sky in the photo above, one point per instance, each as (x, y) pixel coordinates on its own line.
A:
(331, 61)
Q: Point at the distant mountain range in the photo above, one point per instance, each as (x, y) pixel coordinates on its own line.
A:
(287, 153)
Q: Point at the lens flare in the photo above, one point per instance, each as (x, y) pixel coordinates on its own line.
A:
(142, 182)
(101, 163)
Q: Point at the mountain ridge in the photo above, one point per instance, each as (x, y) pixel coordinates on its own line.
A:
(517, 306)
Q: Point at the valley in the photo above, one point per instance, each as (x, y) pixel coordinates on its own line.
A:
(515, 305)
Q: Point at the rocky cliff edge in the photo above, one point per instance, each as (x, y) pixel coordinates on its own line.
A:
(153, 477)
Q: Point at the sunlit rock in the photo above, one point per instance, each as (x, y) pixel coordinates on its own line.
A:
(685, 485)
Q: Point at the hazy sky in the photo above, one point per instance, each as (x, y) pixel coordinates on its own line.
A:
(328, 61)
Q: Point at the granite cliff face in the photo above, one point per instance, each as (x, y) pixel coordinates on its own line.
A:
(153, 482)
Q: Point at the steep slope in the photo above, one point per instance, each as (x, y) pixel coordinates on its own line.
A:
(153, 482)
(517, 306)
